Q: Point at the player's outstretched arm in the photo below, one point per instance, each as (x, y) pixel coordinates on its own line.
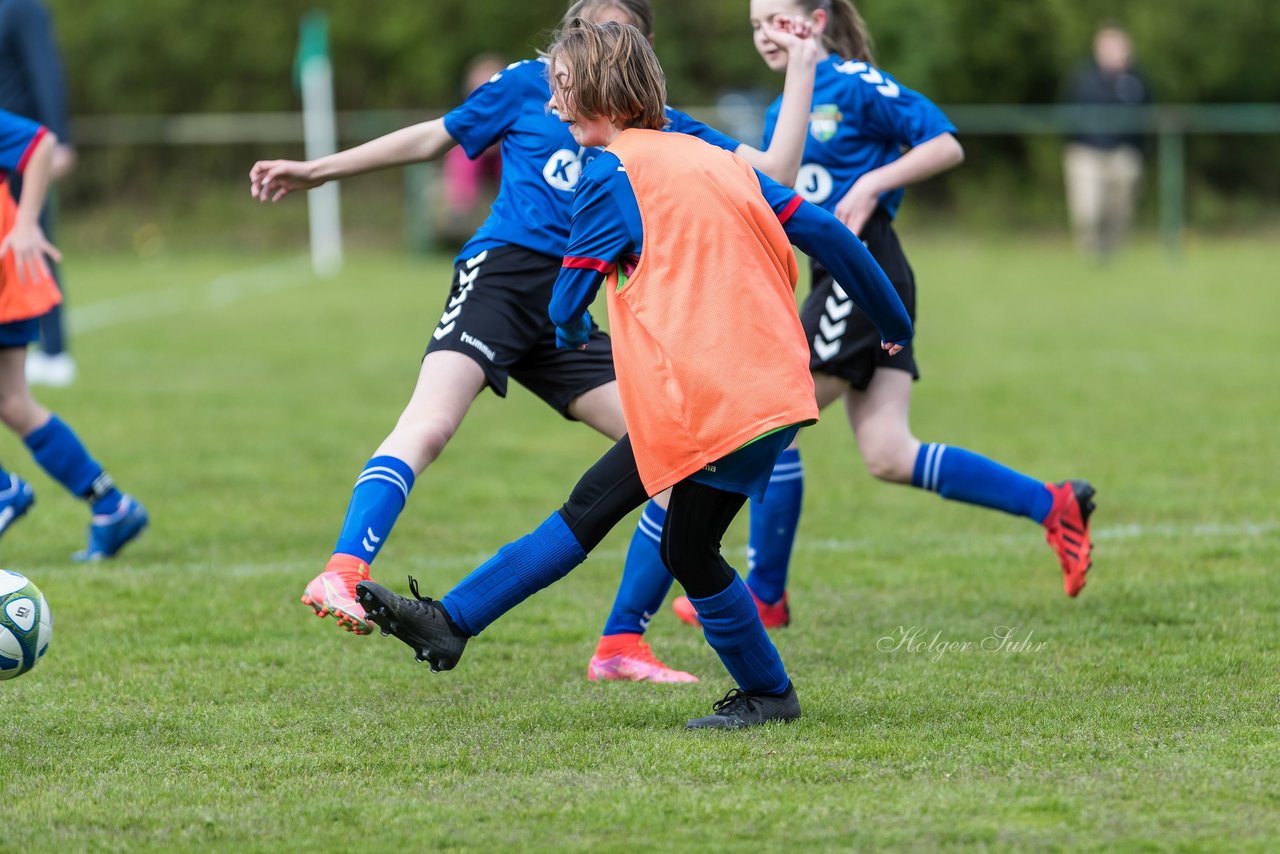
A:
(781, 160)
(26, 240)
(820, 235)
(272, 180)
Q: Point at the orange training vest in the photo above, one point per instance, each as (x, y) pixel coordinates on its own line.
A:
(707, 344)
(20, 300)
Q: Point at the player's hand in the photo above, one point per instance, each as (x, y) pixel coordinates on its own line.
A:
(794, 34)
(892, 349)
(272, 180)
(858, 205)
(30, 248)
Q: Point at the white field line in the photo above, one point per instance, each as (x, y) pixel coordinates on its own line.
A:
(1211, 530)
(456, 561)
(181, 299)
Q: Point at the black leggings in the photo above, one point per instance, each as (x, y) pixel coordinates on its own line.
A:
(697, 518)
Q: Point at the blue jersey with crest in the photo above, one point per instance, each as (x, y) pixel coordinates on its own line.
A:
(541, 161)
(861, 119)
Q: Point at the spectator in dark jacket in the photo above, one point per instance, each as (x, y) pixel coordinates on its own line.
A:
(1103, 167)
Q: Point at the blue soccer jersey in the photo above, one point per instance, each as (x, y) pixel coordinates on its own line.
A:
(861, 119)
(18, 138)
(541, 161)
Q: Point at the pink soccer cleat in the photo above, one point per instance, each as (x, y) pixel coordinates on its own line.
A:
(334, 592)
(627, 658)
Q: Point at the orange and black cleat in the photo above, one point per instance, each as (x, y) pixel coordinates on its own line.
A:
(1067, 531)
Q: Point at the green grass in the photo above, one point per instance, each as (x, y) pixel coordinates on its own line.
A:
(190, 702)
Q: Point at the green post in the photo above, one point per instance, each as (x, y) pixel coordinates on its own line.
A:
(1172, 165)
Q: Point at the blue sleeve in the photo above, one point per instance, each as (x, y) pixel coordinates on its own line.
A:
(684, 123)
(490, 111)
(598, 237)
(892, 111)
(18, 137)
(38, 53)
(782, 199)
(820, 235)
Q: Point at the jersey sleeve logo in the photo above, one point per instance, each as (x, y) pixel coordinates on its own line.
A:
(883, 84)
(824, 121)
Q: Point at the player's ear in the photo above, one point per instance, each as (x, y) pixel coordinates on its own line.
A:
(819, 20)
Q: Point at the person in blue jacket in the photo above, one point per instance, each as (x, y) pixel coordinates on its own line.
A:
(33, 85)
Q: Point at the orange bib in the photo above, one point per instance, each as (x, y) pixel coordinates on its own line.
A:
(21, 300)
(707, 344)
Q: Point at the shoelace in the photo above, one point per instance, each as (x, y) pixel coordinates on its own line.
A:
(733, 700)
(413, 588)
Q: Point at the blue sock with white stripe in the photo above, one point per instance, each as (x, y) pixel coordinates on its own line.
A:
(773, 529)
(645, 579)
(732, 626)
(515, 573)
(60, 452)
(961, 475)
(379, 495)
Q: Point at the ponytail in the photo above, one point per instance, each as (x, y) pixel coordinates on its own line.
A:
(846, 34)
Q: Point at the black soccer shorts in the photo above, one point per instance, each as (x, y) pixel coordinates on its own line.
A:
(843, 341)
(496, 313)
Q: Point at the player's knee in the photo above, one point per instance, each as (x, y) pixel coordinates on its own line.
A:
(16, 410)
(887, 457)
(422, 439)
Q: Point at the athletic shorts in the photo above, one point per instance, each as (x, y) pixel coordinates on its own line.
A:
(19, 333)
(496, 313)
(747, 470)
(843, 341)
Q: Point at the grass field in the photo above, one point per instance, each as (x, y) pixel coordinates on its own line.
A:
(189, 701)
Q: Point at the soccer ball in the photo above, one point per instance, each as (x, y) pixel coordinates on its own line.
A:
(25, 625)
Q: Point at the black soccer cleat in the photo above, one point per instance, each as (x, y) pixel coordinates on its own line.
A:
(742, 709)
(421, 622)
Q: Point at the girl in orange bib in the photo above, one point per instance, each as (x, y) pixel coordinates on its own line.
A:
(711, 359)
(27, 290)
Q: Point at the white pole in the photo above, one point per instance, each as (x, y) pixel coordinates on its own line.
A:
(320, 131)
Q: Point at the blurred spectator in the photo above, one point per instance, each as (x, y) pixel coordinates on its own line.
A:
(468, 187)
(1103, 167)
(32, 85)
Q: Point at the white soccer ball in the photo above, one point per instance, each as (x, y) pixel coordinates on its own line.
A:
(25, 625)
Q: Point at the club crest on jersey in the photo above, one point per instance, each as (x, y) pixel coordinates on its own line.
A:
(824, 121)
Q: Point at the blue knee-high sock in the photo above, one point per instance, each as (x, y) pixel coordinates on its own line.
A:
(731, 624)
(379, 495)
(961, 475)
(60, 452)
(515, 573)
(773, 529)
(645, 578)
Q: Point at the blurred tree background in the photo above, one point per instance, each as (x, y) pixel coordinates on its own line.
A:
(185, 56)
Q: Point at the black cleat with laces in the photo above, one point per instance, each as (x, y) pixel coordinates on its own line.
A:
(421, 622)
(741, 708)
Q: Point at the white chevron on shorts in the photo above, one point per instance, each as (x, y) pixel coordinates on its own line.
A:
(832, 324)
(467, 279)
